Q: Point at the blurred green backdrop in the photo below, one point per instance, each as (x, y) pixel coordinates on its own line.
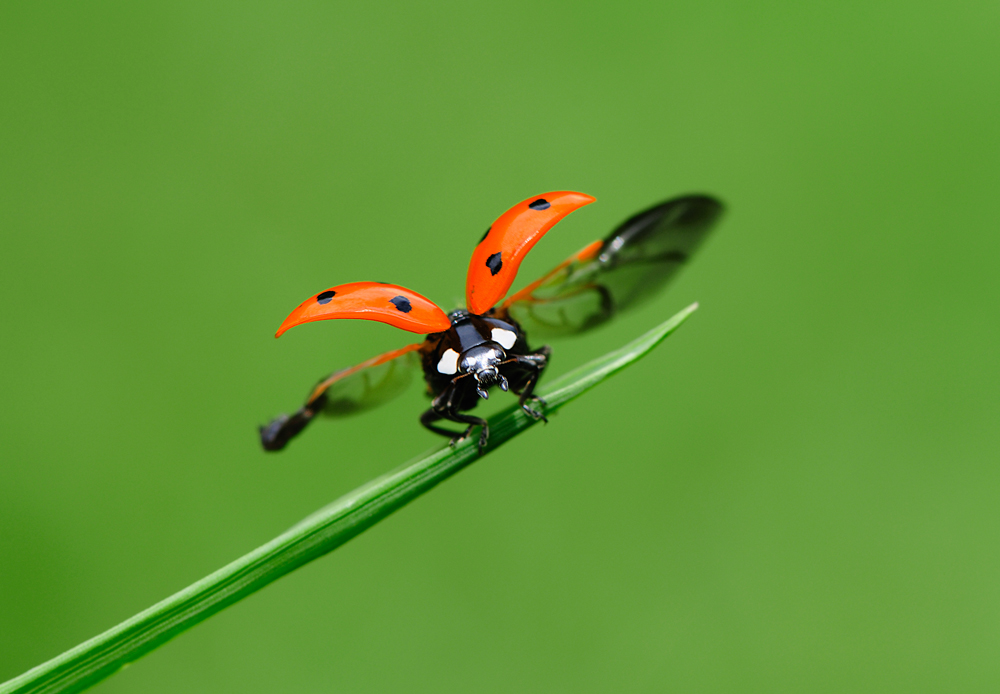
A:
(798, 492)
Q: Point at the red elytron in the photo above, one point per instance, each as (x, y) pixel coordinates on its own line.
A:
(468, 351)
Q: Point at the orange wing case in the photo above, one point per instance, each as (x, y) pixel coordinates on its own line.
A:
(498, 256)
(386, 303)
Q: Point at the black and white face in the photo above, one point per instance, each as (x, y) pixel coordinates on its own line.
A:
(482, 359)
(476, 347)
(483, 363)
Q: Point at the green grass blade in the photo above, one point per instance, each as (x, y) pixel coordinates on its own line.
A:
(323, 531)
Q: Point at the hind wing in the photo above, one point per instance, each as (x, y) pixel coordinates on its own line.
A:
(348, 391)
(616, 273)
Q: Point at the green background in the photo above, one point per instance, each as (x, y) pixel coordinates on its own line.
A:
(797, 492)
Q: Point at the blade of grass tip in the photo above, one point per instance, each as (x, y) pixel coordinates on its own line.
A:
(320, 533)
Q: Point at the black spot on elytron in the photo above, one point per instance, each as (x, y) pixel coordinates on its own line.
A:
(494, 263)
(325, 297)
(401, 303)
(487, 233)
(540, 204)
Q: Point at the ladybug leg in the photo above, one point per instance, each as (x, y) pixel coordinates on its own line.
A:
(439, 410)
(535, 363)
(526, 395)
(444, 406)
(473, 422)
(429, 417)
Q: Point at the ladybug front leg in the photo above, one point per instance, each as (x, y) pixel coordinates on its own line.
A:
(429, 417)
(535, 363)
(445, 406)
(473, 422)
(438, 410)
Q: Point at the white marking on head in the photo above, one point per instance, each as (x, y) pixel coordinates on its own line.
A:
(449, 362)
(506, 338)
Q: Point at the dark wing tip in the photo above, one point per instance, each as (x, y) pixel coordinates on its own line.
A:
(692, 212)
(696, 208)
(270, 435)
(276, 435)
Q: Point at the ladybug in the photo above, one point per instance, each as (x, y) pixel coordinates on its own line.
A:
(469, 351)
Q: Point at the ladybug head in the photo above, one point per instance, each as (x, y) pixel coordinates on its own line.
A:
(482, 362)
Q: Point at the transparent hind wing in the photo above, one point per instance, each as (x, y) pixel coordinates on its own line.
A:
(367, 385)
(621, 271)
(348, 391)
